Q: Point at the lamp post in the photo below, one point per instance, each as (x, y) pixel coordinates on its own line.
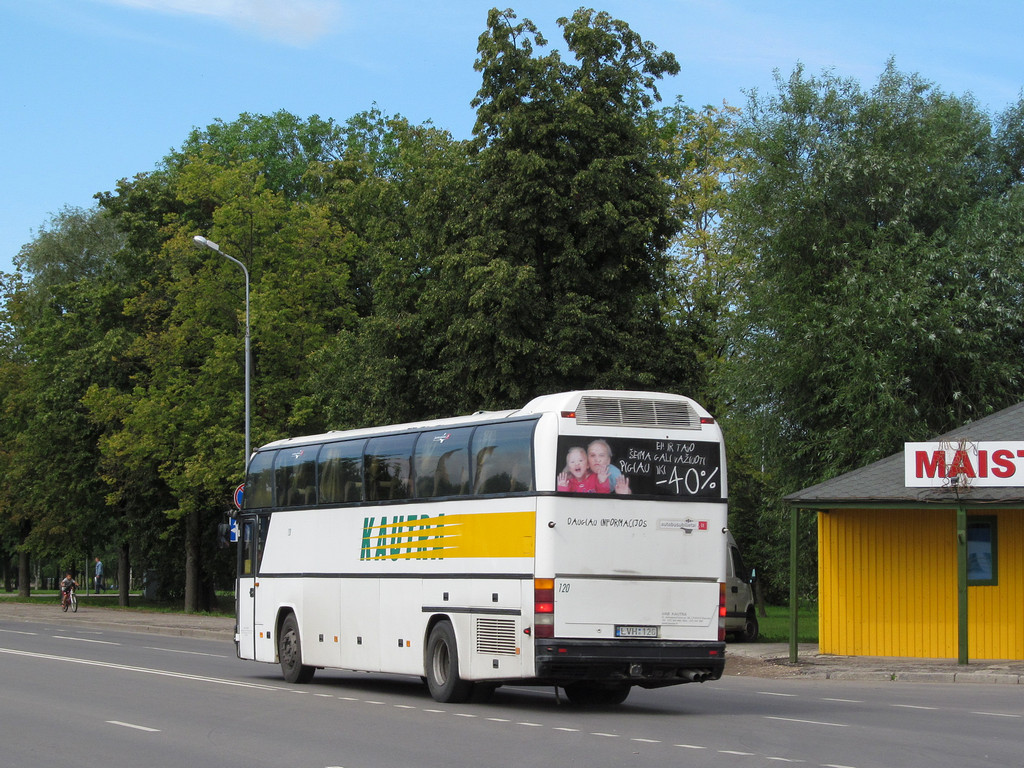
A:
(202, 242)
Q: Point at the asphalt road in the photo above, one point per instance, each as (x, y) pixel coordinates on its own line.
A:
(78, 694)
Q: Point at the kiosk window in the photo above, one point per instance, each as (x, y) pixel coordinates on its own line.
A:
(982, 570)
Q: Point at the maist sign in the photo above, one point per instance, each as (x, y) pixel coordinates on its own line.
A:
(987, 463)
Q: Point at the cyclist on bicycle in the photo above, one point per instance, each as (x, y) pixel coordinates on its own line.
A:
(66, 585)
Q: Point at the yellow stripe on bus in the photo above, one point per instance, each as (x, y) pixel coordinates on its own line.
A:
(494, 534)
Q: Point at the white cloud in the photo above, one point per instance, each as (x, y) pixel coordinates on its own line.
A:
(296, 22)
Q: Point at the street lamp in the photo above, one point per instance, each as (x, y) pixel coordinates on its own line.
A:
(202, 242)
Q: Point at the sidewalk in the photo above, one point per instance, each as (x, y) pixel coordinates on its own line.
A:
(127, 619)
(769, 660)
(772, 660)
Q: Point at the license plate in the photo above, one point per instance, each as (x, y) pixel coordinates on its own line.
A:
(632, 631)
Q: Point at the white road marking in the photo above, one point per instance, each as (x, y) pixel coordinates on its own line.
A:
(771, 693)
(995, 714)
(845, 701)
(83, 640)
(133, 725)
(806, 722)
(690, 746)
(144, 670)
(913, 706)
(188, 653)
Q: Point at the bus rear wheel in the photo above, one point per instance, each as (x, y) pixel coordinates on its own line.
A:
(289, 650)
(441, 664)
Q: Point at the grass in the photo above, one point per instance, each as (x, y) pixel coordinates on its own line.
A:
(775, 626)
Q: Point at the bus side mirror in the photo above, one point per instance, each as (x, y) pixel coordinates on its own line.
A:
(223, 535)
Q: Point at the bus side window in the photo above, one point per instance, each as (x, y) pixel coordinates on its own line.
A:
(341, 472)
(259, 482)
(504, 458)
(441, 465)
(295, 476)
(387, 467)
(305, 483)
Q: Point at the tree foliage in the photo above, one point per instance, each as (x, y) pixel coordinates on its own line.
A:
(706, 163)
(868, 307)
(881, 293)
(555, 281)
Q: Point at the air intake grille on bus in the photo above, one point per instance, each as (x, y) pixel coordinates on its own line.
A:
(633, 412)
(496, 636)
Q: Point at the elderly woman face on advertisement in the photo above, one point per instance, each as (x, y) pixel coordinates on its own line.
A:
(599, 456)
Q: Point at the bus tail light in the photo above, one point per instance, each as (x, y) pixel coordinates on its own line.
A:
(543, 607)
(721, 612)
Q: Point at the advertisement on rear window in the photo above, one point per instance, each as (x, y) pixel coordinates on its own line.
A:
(635, 466)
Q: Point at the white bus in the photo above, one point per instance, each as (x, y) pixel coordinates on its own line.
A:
(578, 542)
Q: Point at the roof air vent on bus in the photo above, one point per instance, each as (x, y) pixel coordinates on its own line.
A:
(635, 412)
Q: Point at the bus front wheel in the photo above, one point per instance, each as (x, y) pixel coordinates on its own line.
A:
(442, 666)
(289, 650)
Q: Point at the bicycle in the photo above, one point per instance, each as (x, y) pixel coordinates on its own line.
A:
(69, 600)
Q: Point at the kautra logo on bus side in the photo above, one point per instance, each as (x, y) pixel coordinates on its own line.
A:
(401, 538)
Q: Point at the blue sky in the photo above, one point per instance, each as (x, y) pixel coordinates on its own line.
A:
(97, 90)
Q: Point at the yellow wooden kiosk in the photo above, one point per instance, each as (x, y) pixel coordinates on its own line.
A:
(922, 554)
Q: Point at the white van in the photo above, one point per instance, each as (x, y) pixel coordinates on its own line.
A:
(740, 616)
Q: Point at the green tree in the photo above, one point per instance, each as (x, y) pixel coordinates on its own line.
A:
(706, 164)
(881, 299)
(551, 278)
(63, 325)
(283, 145)
(397, 192)
(182, 416)
(14, 524)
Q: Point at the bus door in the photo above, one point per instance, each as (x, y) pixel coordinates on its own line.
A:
(252, 536)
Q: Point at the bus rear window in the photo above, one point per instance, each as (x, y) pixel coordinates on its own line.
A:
(639, 466)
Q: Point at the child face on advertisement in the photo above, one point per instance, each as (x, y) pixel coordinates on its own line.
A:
(577, 463)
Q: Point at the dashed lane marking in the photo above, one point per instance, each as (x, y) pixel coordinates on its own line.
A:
(806, 722)
(134, 726)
